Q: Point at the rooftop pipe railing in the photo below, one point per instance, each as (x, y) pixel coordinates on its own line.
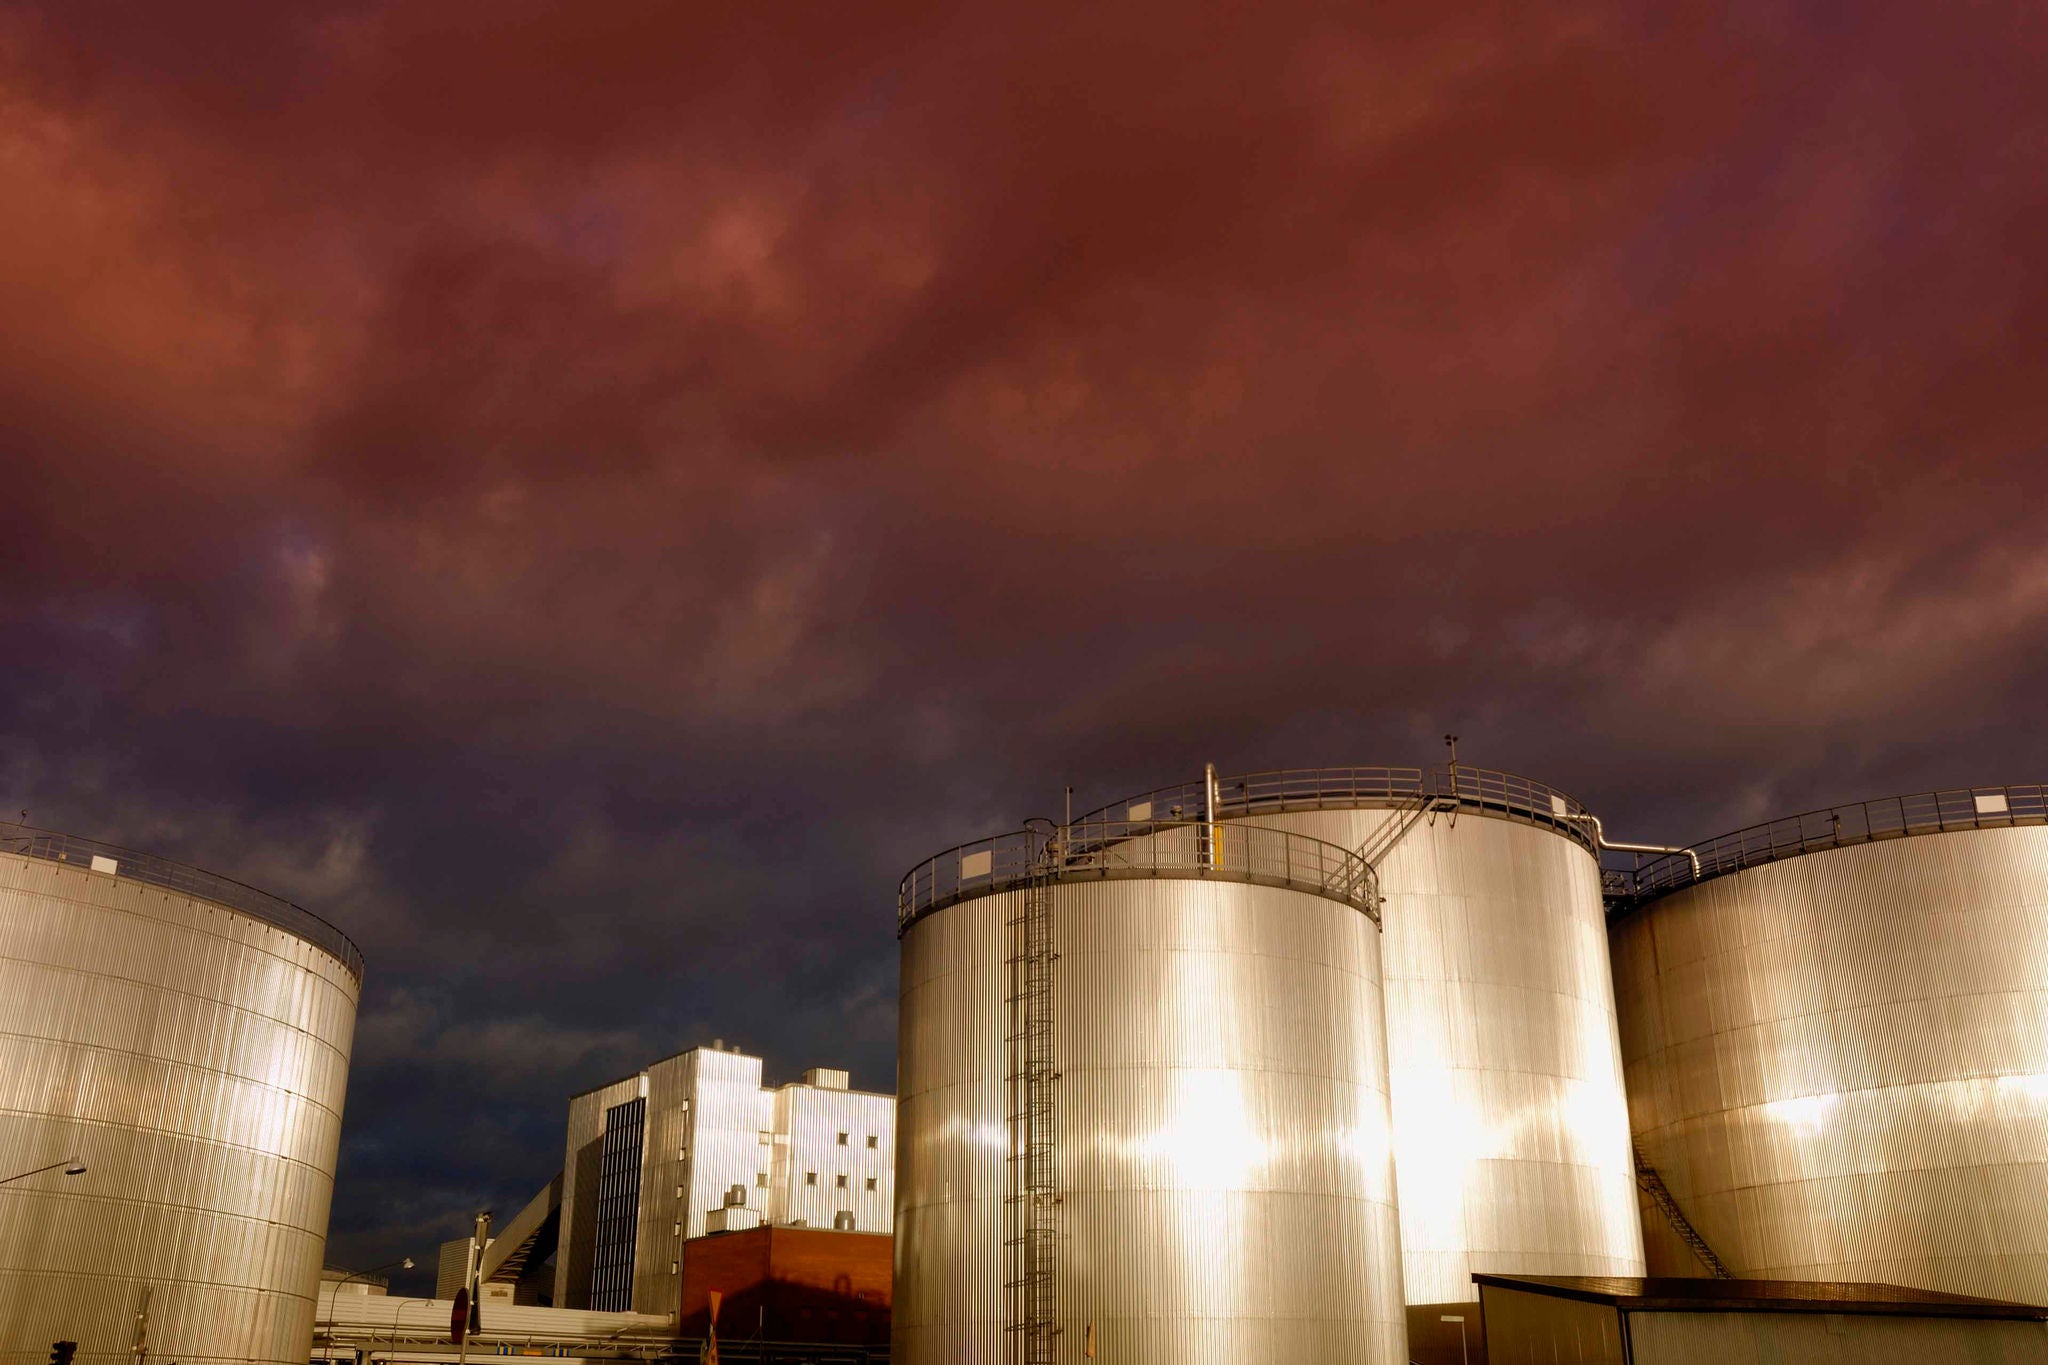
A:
(1893, 817)
(94, 855)
(1296, 789)
(1097, 850)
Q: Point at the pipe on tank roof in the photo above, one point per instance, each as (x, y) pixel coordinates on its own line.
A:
(1600, 838)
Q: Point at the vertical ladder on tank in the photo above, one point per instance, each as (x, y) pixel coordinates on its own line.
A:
(1030, 1286)
(1652, 1184)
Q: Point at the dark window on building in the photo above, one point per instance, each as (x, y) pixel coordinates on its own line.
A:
(618, 1207)
(873, 1142)
(871, 1182)
(842, 1139)
(842, 1182)
(810, 1177)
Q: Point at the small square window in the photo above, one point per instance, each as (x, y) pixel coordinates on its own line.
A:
(842, 1139)
(761, 1180)
(871, 1182)
(873, 1142)
(810, 1177)
(842, 1182)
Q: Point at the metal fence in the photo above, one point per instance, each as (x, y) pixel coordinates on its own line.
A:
(1295, 789)
(1893, 817)
(1112, 849)
(95, 855)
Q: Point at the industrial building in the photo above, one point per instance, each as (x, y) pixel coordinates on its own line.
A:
(1592, 1320)
(696, 1145)
(1836, 1038)
(1157, 1061)
(174, 1052)
(787, 1284)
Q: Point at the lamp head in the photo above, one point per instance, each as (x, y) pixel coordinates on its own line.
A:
(406, 1264)
(75, 1168)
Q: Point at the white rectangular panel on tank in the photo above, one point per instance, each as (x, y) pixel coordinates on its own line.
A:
(1987, 803)
(110, 866)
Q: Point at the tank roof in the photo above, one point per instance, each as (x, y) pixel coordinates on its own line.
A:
(94, 855)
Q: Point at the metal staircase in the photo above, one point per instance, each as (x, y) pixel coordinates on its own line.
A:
(1652, 1184)
(1405, 814)
(1031, 1282)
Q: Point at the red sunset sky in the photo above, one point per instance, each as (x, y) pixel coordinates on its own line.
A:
(583, 495)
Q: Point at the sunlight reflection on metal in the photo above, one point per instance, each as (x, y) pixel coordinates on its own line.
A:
(1836, 1058)
(1227, 1182)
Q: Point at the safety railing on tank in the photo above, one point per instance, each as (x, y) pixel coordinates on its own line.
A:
(1296, 789)
(94, 855)
(1113, 849)
(1893, 817)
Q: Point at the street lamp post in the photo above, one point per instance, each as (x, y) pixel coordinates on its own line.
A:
(72, 1166)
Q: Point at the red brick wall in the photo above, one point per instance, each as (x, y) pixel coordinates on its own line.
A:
(790, 1284)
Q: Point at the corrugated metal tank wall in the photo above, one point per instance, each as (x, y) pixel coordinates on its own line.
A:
(195, 1059)
(1511, 1143)
(1839, 1062)
(1225, 1166)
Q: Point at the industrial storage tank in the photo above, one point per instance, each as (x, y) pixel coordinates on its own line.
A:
(1511, 1144)
(185, 1040)
(1837, 1043)
(1142, 1103)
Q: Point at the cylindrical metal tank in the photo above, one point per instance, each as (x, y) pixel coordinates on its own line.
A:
(1511, 1144)
(1219, 1118)
(185, 1039)
(1837, 1044)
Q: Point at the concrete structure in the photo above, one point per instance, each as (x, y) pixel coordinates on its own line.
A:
(186, 1039)
(1206, 1117)
(695, 1144)
(1511, 1143)
(1837, 1043)
(1587, 1320)
(783, 1284)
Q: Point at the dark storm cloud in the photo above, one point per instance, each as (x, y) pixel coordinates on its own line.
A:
(584, 495)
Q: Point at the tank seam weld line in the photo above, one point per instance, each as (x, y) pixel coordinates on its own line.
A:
(167, 1280)
(119, 1126)
(36, 862)
(172, 991)
(1844, 1010)
(188, 898)
(166, 1204)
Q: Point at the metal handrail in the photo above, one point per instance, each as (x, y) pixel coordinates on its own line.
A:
(1115, 849)
(77, 851)
(1862, 822)
(1487, 790)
